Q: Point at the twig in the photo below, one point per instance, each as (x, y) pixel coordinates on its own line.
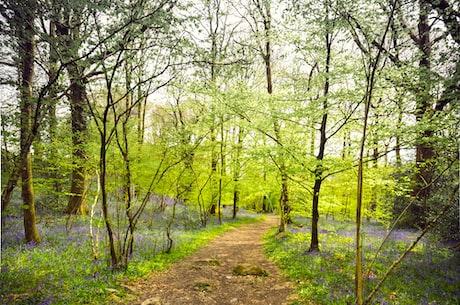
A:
(94, 249)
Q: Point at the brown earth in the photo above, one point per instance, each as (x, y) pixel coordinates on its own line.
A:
(232, 269)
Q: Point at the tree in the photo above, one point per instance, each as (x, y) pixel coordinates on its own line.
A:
(22, 23)
(214, 59)
(112, 116)
(238, 146)
(372, 67)
(430, 107)
(66, 19)
(424, 150)
(322, 69)
(318, 172)
(261, 14)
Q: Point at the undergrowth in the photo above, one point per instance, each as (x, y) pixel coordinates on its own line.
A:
(61, 270)
(430, 274)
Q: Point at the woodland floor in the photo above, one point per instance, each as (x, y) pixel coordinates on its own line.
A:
(208, 277)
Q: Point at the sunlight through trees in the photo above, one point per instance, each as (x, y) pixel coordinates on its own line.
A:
(184, 112)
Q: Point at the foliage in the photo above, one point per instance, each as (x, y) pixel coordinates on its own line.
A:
(429, 275)
(171, 86)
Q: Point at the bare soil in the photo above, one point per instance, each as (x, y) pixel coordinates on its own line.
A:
(208, 276)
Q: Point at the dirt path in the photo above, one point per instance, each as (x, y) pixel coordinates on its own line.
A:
(208, 276)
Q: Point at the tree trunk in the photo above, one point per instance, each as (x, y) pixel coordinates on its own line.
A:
(52, 118)
(114, 258)
(27, 55)
(263, 8)
(214, 157)
(213, 16)
(284, 200)
(123, 145)
(79, 184)
(7, 191)
(30, 228)
(371, 75)
(346, 145)
(398, 138)
(375, 156)
(359, 281)
(314, 244)
(236, 171)
(222, 166)
(68, 33)
(424, 112)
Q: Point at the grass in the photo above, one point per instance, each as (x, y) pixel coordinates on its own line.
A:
(430, 274)
(61, 269)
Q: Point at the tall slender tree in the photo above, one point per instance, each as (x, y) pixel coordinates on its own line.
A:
(261, 14)
(324, 17)
(372, 61)
(318, 172)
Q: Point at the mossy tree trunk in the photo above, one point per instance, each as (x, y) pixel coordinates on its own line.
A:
(68, 33)
(27, 56)
(79, 183)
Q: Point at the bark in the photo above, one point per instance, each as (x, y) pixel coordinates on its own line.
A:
(187, 154)
(236, 200)
(450, 18)
(375, 156)
(141, 113)
(284, 200)
(314, 244)
(27, 55)
(27, 191)
(79, 183)
(359, 282)
(285, 208)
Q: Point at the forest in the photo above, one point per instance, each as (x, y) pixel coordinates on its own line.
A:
(135, 131)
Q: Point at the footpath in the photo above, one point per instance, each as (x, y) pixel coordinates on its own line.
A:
(230, 270)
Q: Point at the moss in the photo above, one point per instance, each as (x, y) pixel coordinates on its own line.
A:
(246, 269)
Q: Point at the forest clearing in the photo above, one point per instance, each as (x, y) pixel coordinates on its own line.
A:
(135, 133)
